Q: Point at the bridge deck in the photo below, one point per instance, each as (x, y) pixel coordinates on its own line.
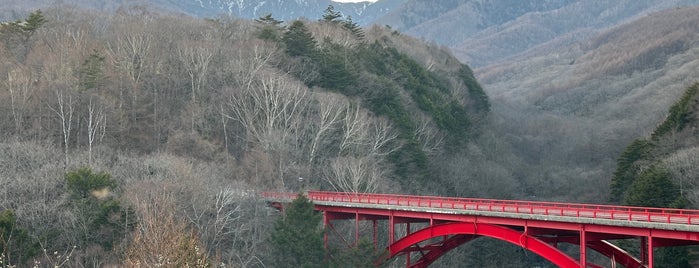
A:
(444, 207)
(536, 226)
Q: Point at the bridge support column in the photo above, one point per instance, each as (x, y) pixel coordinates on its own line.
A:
(356, 229)
(649, 241)
(376, 236)
(647, 251)
(326, 222)
(583, 247)
(391, 229)
(644, 250)
(407, 254)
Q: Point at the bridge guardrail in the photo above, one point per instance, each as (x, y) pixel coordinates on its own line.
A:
(629, 213)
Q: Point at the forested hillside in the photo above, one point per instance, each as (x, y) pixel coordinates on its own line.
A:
(570, 112)
(126, 133)
(497, 31)
(662, 170)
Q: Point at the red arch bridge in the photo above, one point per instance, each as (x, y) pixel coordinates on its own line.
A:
(443, 223)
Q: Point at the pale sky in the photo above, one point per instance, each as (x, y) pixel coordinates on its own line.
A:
(353, 1)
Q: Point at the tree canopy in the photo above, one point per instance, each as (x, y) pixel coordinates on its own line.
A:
(298, 40)
(298, 236)
(331, 15)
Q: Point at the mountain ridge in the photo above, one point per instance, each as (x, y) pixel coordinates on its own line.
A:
(362, 13)
(495, 31)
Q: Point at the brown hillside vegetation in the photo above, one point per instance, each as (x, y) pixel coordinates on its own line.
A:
(647, 43)
(577, 107)
(507, 31)
(652, 56)
(141, 139)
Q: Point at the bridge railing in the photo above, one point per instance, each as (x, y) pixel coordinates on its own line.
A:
(628, 213)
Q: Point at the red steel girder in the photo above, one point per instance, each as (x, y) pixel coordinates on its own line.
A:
(533, 223)
(523, 240)
(603, 247)
(446, 246)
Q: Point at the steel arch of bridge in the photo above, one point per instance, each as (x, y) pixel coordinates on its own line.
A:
(457, 233)
(467, 228)
(536, 226)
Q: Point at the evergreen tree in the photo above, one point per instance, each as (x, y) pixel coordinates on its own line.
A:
(269, 20)
(336, 71)
(15, 245)
(475, 91)
(627, 167)
(654, 188)
(29, 26)
(330, 15)
(270, 27)
(93, 199)
(83, 182)
(20, 32)
(34, 21)
(298, 40)
(361, 256)
(297, 239)
(672, 257)
(91, 74)
(678, 115)
(353, 27)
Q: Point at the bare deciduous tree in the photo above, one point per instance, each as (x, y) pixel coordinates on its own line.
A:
(269, 111)
(19, 83)
(330, 109)
(355, 174)
(269, 108)
(355, 126)
(128, 52)
(427, 133)
(96, 126)
(64, 110)
(364, 134)
(684, 167)
(161, 237)
(250, 62)
(382, 137)
(195, 57)
(216, 218)
(130, 49)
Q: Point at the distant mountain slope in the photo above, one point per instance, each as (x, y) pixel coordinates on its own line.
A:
(648, 60)
(483, 32)
(451, 21)
(362, 12)
(571, 23)
(576, 107)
